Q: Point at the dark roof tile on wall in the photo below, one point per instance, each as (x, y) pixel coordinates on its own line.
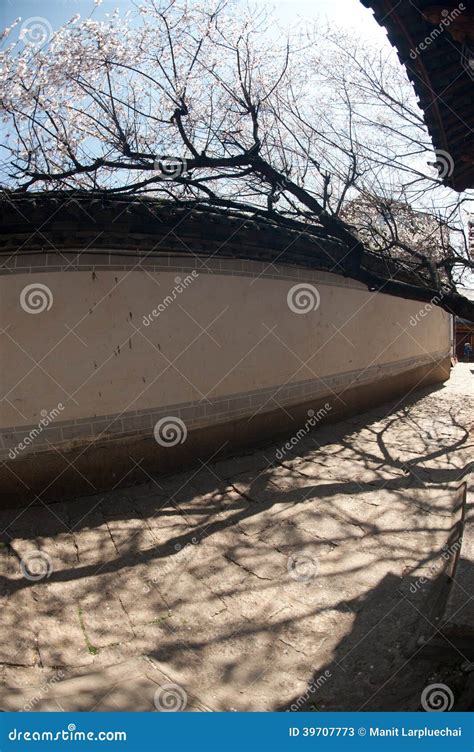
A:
(72, 223)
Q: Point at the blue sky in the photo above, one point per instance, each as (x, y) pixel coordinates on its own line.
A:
(55, 11)
(349, 14)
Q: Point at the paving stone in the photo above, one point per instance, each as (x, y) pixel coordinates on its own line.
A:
(244, 581)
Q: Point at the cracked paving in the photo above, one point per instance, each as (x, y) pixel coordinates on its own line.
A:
(244, 580)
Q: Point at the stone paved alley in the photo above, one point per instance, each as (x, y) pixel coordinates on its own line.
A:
(236, 585)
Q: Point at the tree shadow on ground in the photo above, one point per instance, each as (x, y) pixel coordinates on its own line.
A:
(385, 663)
(241, 578)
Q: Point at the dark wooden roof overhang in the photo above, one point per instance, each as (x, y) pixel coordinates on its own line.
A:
(441, 69)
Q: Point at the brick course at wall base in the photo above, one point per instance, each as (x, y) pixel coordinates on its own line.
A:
(130, 459)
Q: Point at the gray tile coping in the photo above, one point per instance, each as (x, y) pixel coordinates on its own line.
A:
(33, 263)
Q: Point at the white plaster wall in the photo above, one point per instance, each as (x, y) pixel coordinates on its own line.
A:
(222, 335)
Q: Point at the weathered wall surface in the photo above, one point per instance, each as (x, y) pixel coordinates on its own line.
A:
(98, 352)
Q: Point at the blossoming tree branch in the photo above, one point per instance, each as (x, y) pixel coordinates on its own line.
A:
(202, 102)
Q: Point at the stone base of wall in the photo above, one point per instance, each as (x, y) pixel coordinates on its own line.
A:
(86, 469)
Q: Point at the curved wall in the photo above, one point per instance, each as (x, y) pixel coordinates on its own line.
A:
(96, 355)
